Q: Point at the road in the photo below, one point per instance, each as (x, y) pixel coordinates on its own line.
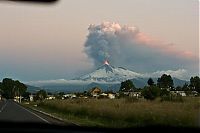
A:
(11, 111)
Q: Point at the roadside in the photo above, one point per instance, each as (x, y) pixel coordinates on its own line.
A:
(69, 117)
(56, 118)
(121, 113)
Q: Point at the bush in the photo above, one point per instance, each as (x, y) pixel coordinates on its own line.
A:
(173, 98)
(151, 92)
(122, 95)
(131, 99)
(40, 95)
(164, 92)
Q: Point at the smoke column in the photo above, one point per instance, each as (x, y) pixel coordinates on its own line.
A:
(103, 41)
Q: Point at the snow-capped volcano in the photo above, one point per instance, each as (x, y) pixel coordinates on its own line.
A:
(109, 73)
(105, 76)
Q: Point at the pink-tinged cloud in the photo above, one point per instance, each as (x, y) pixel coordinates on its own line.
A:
(166, 48)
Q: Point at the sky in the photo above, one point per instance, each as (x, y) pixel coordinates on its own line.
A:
(43, 42)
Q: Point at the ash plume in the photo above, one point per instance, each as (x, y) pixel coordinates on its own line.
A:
(126, 46)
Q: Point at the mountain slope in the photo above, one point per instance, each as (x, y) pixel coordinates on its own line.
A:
(106, 77)
(108, 73)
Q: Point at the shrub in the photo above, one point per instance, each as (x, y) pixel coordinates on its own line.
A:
(131, 99)
(164, 92)
(151, 92)
(173, 98)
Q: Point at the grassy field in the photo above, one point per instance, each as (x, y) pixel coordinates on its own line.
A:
(120, 113)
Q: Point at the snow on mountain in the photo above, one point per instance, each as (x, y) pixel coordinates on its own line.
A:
(108, 73)
(106, 77)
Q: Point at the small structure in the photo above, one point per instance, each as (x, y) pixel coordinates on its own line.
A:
(18, 99)
(103, 95)
(111, 96)
(181, 93)
(31, 98)
(194, 93)
(95, 91)
(66, 96)
(135, 94)
(50, 97)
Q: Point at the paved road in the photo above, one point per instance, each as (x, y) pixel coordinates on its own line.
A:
(13, 112)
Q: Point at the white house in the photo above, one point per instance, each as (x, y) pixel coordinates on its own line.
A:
(182, 93)
(51, 97)
(111, 96)
(31, 98)
(69, 96)
(135, 94)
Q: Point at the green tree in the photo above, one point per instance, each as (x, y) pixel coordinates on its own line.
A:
(195, 83)
(164, 92)
(8, 88)
(150, 82)
(26, 95)
(1, 88)
(41, 95)
(59, 95)
(127, 86)
(151, 92)
(185, 87)
(178, 88)
(165, 81)
(11, 88)
(20, 88)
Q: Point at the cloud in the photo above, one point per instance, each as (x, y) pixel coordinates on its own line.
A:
(180, 73)
(126, 46)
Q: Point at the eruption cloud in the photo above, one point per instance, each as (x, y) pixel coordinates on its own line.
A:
(103, 42)
(126, 46)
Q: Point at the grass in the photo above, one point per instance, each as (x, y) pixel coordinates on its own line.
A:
(120, 113)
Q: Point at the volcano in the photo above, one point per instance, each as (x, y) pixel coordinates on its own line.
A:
(105, 76)
(109, 73)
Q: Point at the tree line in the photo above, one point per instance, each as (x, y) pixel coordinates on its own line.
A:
(10, 88)
(163, 87)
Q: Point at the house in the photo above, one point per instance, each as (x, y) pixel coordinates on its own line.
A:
(50, 97)
(31, 98)
(111, 96)
(194, 93)
(126, 93)
(18, 99)
(103, 95)
(182, 93)
(135, 94)
(95, 91)
(69, 96)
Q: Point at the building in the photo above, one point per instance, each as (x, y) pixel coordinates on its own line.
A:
(181, 93)
(103, 95)
(31, 98)
(95, 91)
(66, 96)
(50, 97)
(135, 94)
(111, 96)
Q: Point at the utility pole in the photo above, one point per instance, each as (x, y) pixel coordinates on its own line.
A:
(18, 94)
(20, 99)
